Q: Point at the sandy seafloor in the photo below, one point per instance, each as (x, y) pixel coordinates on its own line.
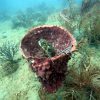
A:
(23, 84)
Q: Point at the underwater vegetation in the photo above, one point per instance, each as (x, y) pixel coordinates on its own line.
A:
(87, 5)
(8, 51)
(70, 16)
(90, 24)
(86, 23)
(31, 17)
(4, 16)
(79, 84)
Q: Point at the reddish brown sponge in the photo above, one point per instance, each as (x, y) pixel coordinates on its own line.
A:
(50, 71)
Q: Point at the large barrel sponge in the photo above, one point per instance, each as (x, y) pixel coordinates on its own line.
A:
(51, 71)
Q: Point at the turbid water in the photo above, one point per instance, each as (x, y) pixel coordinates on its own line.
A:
(80, 17)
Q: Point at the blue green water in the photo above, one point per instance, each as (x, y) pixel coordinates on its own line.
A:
(14, 5)
(80, 17)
